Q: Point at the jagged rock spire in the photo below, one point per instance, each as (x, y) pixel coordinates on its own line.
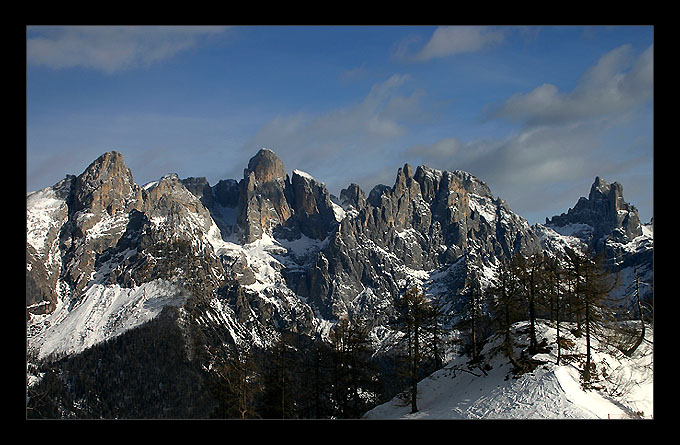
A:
(605, 210)
(266, 166)
(263, 196)
(106, 185)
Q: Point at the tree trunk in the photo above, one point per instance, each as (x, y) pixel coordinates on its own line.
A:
(586, 374)
(557, 318)
(629, 352)
(414, 372)
(533, 342)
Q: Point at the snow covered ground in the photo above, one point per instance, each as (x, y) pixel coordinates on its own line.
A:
(101, 313)
(458, 391)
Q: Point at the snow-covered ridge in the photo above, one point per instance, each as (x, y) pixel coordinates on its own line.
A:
(266, 256)
(44, 211)
(303, 174)
(102, 312)
(550, 391)
(574, 229)
(484, 206)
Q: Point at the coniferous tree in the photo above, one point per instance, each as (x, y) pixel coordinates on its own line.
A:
(318, 373)
(414, 317)
(636, 296)
(435, 332)
(555, 279)
(505, 305)
(238, 383)
(475, 298)
(534, 284)
(353, 373)
(278, 385)
(593, 283)
(530, 275)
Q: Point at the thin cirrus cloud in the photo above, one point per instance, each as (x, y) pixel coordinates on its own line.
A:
(380, 117)
(110, 48)
(449, 41)
(613, 85)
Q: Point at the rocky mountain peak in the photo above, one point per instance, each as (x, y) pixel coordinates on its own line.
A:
(313, 206)
(605, 211)
(266, 166)
(117, 254)
(98, 206)
(200, 188)
(353, 196)
(264, 196)
(171, 196)
(106, 185)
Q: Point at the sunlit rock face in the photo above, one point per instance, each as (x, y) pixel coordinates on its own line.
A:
(264, 196)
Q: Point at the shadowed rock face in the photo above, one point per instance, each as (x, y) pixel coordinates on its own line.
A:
(353, 196)
(200, 188)
(428, 219)
(605, 211)
(269, 201)
(313, 207)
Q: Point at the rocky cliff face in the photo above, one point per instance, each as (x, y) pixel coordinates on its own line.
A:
(605, 212)
(265, 193)
(405, 234)
(99, 203)
(605, 223)
(47, 212)
(272, 253)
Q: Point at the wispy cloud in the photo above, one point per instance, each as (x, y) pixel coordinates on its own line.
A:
(532, 167)
(448, 41)
(345, 142)
(110, 48)
(562, 139)
(613, 85)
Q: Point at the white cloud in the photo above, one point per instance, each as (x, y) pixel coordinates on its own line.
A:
(530, 168)
(451, 40)
(439, 153)
(611, 86)
(110, 48)
(565, 138)
(347, 140)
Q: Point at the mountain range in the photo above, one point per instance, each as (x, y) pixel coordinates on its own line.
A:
(244, 261)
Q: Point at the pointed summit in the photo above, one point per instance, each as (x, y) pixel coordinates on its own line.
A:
(604, 210)
(106, 185)
(264, 196)
(266, 166)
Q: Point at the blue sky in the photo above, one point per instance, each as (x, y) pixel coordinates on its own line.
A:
(535, 112)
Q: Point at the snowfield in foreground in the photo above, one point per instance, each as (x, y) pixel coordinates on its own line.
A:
(459, 391)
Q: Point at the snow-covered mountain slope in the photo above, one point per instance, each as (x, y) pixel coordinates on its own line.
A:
(624, 387)
(630, 257)
(102, 313)
(271, 254)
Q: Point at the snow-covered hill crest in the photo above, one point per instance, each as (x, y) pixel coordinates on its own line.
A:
(623, 390)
